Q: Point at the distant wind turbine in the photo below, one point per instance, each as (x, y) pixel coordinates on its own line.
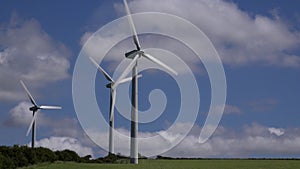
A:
(34, 110)
(112, 87)
(135, 55)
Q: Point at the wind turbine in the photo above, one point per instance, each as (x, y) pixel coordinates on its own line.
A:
(112, 86)
(34, 110)
(135, 55)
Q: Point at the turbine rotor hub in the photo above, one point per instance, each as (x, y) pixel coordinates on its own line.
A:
(109, 85)
(33, 108)
(133, 53)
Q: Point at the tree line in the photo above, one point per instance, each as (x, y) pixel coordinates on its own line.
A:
(22, 156)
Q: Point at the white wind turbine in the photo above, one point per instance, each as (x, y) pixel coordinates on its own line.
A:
(112, 86)
(34, 110)
(135, 55)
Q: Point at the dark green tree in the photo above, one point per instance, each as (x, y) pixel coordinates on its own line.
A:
(45, 155)
(67, 155)
(6, 163)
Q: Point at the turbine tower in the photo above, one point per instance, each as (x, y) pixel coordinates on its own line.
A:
(112, 102)
(34, 110)
(135, 55)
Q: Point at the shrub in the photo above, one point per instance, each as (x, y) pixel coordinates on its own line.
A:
(67, 155)
(6, 163)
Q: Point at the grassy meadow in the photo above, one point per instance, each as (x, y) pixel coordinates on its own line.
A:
(179, 164)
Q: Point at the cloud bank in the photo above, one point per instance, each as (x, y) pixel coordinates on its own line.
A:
(63, 143)
(251, 141)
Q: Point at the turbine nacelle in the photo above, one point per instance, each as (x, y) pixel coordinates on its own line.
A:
(34, 108)
(109, 85)
(133, 53)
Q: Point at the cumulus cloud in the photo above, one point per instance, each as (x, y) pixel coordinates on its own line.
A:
(68, 127)
(276, 131)
(240, 38)
(63, 129)
(63, 143)
(27, 52)
(20, 116)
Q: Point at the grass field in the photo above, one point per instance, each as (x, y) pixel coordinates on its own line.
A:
(180, 164)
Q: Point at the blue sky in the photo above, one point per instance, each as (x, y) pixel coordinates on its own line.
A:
(258, 42)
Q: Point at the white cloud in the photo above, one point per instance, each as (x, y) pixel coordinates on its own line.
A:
(63, 143)
(276, 131)
(68, 127)
(150, 143)
(64, 130)
(20, 116)
(255, 129)
(27, 52)
(239, 37)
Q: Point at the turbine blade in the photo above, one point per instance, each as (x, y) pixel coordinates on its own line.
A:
(128, 79)
(102, 70)
(126, 71)
(31, 123)
(135, 37)
(153, 59)
(112, 106)
(28, 93)
(50, 107)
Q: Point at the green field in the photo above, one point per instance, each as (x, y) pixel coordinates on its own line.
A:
(180, 164)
